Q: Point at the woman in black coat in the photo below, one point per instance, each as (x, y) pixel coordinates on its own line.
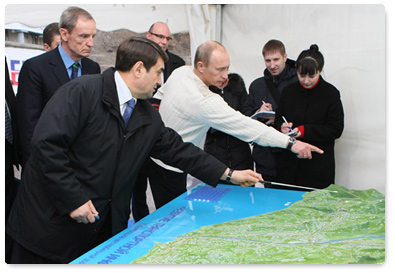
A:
(231, 151)
(314, 110)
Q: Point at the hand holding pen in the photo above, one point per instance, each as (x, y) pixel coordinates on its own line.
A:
(286, 128)
(287, 125)
(266, 107)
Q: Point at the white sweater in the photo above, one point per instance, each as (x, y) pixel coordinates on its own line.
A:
(190, 108)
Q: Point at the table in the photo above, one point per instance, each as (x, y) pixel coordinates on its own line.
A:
(198, 207)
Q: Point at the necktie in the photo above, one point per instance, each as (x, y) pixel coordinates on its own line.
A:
(74, 70)
(8, 126)
(128, 112)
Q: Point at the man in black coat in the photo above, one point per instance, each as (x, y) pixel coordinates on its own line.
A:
(85, 159)
(41, 76)
(159, 33)
(264, 95)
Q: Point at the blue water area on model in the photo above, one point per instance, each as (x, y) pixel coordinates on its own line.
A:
(201, 206)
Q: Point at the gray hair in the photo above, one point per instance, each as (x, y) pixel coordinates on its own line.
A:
(69, 17)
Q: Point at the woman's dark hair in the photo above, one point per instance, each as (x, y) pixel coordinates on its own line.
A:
(236, 85)
(135, 49)
(310, 61)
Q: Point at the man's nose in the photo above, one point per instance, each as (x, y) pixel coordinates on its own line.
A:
(90, 42)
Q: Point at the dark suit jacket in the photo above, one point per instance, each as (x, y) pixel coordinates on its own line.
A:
(173, 63)
(38, 80)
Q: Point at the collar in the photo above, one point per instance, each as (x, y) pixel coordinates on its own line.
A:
(288, 72)
(123, 91)
(319, 79)
(67, 60)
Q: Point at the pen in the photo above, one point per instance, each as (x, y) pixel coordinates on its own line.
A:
(286, 122)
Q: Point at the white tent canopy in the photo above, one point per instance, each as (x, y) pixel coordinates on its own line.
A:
(108, 17)
(351, 37)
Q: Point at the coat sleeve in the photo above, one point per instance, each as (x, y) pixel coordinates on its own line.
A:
(30, 105)
(172, 150)
(250, 106)
(60, 123)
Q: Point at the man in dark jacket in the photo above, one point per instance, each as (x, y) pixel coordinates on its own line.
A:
(159, 32)
(264, 95)
(41, 76)
(86, 157)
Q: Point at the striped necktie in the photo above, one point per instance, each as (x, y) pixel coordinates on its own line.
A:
(74, 70)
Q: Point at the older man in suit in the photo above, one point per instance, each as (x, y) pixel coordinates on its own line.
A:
(41, 76)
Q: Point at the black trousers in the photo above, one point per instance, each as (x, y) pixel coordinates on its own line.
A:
(165, 185)
(139, 199)
(21, 255)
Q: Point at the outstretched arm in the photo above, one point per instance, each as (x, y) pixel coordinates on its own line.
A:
(243, 178)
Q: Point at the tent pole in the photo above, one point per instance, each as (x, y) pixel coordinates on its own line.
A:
(218, 23)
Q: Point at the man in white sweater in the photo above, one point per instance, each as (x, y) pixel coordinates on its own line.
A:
(190, 108)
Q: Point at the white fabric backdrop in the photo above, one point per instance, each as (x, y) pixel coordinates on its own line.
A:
(352, 40)
(108, 17)
(201, 22)
(351, 37)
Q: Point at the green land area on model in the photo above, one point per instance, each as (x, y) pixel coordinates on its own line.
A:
(345, 226)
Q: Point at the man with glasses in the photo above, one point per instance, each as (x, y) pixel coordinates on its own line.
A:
(159, 33)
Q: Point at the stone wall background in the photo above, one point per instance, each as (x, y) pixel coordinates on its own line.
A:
(106, 44)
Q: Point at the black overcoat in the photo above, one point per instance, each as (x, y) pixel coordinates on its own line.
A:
(320, 110)
(81, 151)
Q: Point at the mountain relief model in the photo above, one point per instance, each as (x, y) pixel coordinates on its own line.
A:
(332, 226)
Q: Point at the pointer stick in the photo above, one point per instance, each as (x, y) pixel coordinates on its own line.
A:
(293, 186)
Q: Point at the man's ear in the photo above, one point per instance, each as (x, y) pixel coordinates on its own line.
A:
(200, 66)
(64, 33)
(46, 47)
(138, 69)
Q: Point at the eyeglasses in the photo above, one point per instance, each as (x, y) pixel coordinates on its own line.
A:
(160, 36)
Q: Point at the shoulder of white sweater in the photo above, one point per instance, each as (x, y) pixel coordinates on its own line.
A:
(178, 73)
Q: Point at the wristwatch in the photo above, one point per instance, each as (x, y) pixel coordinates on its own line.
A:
(229, 175)
(291, 142)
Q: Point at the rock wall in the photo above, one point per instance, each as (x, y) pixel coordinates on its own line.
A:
(106, 44)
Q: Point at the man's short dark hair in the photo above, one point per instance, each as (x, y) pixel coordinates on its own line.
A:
(135, 49)
(49, 32)
(273, 46)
